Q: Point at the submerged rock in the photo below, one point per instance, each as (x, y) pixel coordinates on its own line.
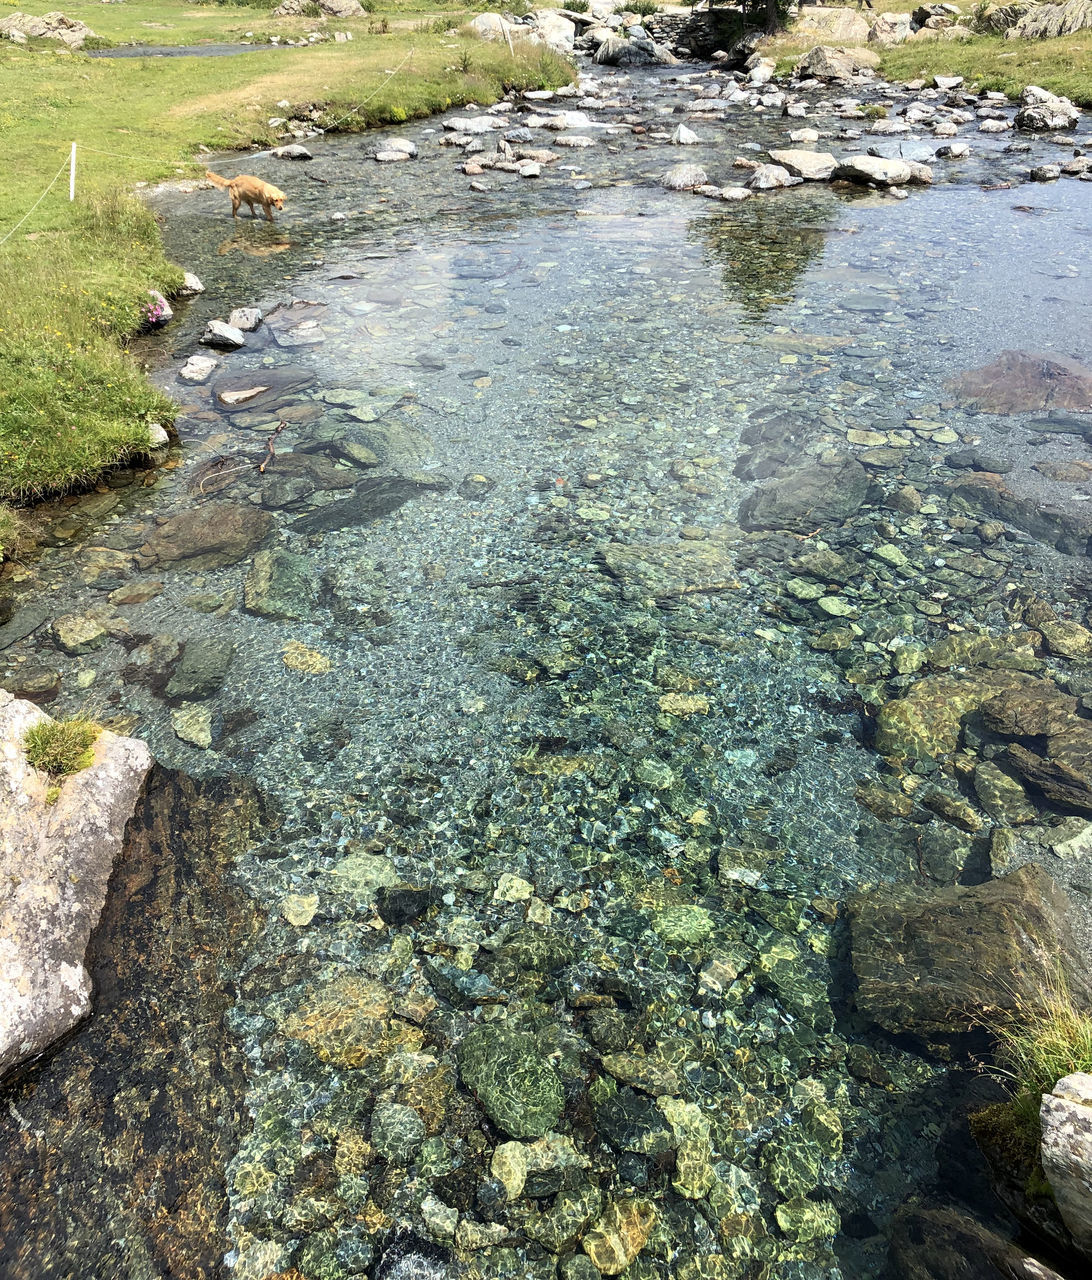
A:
(372, 499)
(937, 962)
(280, 585)
(808, 495)
(56, 858)
(1022, 381)
(518, 1089)
(619, 1235)
(207, 536)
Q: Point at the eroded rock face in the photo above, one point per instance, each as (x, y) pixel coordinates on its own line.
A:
(1066, 1150)
(55, 861)
(936, 962)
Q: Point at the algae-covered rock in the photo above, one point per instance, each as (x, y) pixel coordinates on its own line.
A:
(936, 962)
(619, 1235)
(347, 1022)
(928, 721)
(518, 1089)
(279, 585)
(397, 1131)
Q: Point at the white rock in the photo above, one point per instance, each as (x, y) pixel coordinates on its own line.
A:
(157, 436)
(813, 166)
(771, 177)
(885, 173)
(404, 145)
(684, 177)
(954, 151)
(1066, 1149)
(197, 368)
(245, 319)
(219, 334)
(804, 135)
(684, 137)
(55, 863)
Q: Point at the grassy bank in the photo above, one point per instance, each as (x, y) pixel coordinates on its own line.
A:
(74, 276)
(1063, 65)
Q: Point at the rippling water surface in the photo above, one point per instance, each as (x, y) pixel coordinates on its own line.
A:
(542, 752)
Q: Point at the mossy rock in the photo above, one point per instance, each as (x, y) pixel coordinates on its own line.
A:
(517, 1088)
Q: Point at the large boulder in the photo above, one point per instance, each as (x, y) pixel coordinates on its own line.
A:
(1023, 381)
(55, 862)
(808, 495)
(838, 25)
(812, 166)
(890, 29)
(50, 26)
(1045, 21)
(937, 962)
(1065, 1118)
(558, 32)
(333, 8)
(617, 52)
(827, 63)
(1041, 110)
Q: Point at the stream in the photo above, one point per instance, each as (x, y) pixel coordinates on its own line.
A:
(532, 774)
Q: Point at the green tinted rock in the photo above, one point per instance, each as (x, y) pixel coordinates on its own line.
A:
(518, 1089)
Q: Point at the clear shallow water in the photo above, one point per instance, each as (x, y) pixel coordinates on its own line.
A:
(560, 660)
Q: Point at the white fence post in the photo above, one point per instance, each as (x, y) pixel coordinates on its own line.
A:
(72, 175)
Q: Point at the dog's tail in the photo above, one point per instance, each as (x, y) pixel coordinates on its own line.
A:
(217, 180)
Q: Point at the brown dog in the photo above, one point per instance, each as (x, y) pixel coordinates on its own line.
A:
(249, 190)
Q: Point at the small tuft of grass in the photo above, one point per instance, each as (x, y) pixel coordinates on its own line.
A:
(61, 747)
(11, 526)
(1034, 1049)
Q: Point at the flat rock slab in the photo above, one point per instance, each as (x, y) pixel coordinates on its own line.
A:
(55, 863)
(1023, 381)
(1066, 1120)
(373, 498)
(263, 389)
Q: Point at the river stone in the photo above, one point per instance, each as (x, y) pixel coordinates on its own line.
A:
(1002, 795)
(293, 151)
(561, 1226)
(619, 1235)
(936, 962)
(347, 1022)
(202, 669)
(1023, 381)
(260, 389)
(245, 319)
(1065, 1118)
(397, 1132)
(225, 336)
(807, 495)
(770, 177)
(55, 863)
(1041, 110)
(928, 721)
(1067, 639)
(198, 368)
(192, 723)
(79, 633)
(883, 172)
(684, 177)
(208, 536)
(515, 1084)
(371, 500)
(813, 166)
(280, 585)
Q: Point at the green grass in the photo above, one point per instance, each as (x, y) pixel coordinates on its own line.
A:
(1063, 65)
(11, 526)
(74, 276)
(61, 747)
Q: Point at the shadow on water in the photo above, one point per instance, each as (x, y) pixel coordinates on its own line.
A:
(114, 1147)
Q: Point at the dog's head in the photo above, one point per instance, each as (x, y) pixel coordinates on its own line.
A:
(278, 201)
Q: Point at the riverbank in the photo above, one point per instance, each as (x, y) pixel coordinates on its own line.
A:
(74, 277)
